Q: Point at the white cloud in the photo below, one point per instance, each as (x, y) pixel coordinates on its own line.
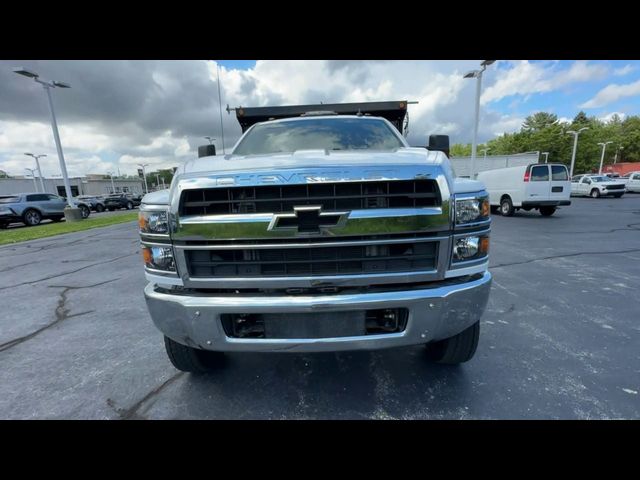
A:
(526, 78)
(611, 93)
(627, 69)
(607, 117)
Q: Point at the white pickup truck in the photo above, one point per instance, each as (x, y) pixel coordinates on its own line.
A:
(318, 232)
(596, 186)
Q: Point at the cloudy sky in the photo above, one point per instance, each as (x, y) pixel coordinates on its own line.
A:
(121, 113)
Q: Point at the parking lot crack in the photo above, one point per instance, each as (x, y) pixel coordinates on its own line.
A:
(132, 413)
(566, 255)
(61, 314)
(67, 273)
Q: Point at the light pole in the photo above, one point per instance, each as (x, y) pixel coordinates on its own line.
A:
(37, 157)
(113, 189)
(144, 175)
(546, 156)
(478, 75)
(54, 125)
(211, 139)
(33, 175)
(575, 147)
(485, 150)
(615, 159)
(604, 147)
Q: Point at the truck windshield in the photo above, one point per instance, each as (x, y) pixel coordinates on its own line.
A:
(600, 179)
(319, 133)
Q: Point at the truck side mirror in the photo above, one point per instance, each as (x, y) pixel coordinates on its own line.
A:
(206, 151)
(439, 143)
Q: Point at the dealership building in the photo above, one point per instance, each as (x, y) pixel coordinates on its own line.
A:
(87, 185)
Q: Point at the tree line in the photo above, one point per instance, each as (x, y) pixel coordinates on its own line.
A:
(543, 132)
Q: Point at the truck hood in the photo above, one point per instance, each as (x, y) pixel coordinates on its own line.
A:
(465, 185)
(311, 159)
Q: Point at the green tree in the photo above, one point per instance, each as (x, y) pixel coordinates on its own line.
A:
(539, 121)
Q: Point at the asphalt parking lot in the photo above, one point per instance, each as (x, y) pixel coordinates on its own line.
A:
(560, 338)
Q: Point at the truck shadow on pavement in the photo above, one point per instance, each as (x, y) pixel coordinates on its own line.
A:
(389, 384)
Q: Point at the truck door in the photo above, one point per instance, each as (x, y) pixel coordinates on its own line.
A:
(560, 185)
(585, 185)
(539, 184)
(634, 182)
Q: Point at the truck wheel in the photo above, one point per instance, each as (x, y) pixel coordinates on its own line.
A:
(192, 360)
(129, 205)
(32, 217)
(457, 349)
(547, 211)
(506, 207)
(99, 208)
(3, 225)
(595, 193)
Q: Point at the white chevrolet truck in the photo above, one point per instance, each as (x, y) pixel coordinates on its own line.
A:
(320, 231)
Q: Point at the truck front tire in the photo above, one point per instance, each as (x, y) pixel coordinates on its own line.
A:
(457, 349)
(194, 360)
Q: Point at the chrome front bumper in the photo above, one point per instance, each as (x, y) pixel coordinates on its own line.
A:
(434, 314)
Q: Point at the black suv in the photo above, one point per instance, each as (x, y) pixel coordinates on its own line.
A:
(120, 200)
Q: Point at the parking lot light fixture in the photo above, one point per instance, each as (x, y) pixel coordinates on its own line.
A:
(604, 147)
(546, 156)
(144, 175)
(615, 159)
(113, 189)
(485, 150)
(477, 74)
(33, 175)
(47, 85)
(575, 147)
(37, 158)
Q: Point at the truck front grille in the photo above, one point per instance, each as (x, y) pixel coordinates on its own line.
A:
(316, 261)
(332, 197)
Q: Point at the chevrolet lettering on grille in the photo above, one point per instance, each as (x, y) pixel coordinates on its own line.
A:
(307, 219)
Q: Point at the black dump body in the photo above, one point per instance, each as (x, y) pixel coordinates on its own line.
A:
(395, 112)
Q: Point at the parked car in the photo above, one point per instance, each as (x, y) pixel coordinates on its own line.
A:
(536, 186)
(631, 182)
(32, 208)
(595, 186)
(95, 203)
(120, 200)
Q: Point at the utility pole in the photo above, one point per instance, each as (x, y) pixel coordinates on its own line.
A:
(477, 74)
(575, 147)
(75, 212)
(220, 105)
(604, 147)
(33, 176)
(37, 159)
(144, 175)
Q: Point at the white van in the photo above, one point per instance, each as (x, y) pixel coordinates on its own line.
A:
(542, 186)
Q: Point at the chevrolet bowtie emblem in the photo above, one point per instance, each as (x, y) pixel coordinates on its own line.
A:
(307, 219)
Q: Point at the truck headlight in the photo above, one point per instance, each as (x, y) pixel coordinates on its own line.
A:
(158, 258)
(472, 210)
(153, 221)
(470, 248)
